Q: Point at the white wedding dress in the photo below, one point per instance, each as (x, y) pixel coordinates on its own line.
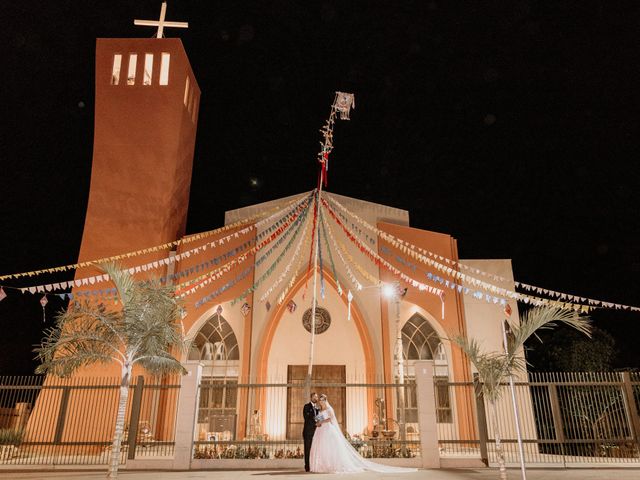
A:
(332, 453)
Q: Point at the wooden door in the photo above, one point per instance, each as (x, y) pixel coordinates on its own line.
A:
(296, 374)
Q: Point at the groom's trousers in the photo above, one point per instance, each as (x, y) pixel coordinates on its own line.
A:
(308, 438)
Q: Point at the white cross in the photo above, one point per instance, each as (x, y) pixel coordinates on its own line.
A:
(161, 23)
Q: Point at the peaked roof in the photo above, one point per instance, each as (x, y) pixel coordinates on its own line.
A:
(372, 211)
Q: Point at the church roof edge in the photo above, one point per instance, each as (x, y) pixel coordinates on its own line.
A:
(382, 213)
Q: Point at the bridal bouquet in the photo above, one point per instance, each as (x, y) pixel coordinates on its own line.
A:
(323, 415)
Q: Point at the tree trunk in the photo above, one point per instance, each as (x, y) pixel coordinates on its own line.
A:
(114, 461)
(499, 451)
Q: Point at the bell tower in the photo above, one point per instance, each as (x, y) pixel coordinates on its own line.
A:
(146, 113)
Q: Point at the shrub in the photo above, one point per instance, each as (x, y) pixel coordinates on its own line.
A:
(10, 436)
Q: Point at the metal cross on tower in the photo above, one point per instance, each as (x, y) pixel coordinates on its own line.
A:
(161, 23)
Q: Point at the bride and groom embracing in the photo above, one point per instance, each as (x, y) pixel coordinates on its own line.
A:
(326, 450)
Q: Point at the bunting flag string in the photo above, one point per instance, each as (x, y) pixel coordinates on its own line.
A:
(191, 286)
(271, 268)
(297, 269)
(287, 268)
(374, 257)
(86, 281)
(219, 291)
(350, 274)
(342, 251)
(446, 283)
(429, 258)
(321, 269)
(217, 273)
(501, 291)
(157, 248)
(229, 284)
(326, 242)
(293, 226)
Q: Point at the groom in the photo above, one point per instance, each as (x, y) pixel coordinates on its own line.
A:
(309, 412)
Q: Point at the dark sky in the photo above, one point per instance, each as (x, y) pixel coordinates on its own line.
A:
(512, 125)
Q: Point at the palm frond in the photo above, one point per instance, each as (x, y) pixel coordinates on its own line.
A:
(161, 365)
(494, 367)
(544, 317)
(144, 329)
(122, 279)
(491, 367)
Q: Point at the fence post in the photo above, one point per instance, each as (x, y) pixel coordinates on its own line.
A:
(630, 406)
(186, 416)
(481, 413)
(134, 418)
(427, 414)
(62, 414)
(557, 416)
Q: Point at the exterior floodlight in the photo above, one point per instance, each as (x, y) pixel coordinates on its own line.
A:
(388, 290)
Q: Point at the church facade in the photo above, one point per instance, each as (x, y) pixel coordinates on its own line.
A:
(250, 322)
(258, 332)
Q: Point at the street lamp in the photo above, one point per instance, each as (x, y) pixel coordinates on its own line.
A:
(395, 292)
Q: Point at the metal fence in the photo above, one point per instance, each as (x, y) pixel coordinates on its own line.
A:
(566, 419)
(264, 421)
(72, 421)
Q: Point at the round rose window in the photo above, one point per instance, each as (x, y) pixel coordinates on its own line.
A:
(323, 320)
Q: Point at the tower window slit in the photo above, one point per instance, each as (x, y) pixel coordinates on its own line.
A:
(131, 72)
(186, 91)
(164, 68)
(148, 69)
(115, 70)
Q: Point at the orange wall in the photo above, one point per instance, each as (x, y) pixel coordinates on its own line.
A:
(144, 140)
(453, 322)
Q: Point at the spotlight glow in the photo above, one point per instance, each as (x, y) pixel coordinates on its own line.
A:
(388, 290)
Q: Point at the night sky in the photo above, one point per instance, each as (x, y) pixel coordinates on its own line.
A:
(512, 125)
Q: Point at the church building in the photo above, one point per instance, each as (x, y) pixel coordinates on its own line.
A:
(247, 288)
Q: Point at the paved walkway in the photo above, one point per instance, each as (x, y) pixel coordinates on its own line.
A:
(442, 474)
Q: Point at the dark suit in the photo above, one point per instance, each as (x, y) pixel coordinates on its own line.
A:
(309, 413)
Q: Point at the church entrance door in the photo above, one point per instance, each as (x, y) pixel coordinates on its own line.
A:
(322, 374)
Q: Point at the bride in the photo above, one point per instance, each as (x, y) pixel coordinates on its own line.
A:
(332, 453)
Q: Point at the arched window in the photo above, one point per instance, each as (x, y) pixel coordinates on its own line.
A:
(215, 341)
(419, 340)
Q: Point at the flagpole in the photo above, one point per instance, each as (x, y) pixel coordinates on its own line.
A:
(312, 338)
(342, 103)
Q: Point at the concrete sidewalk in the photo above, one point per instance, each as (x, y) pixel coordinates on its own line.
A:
(440, 474)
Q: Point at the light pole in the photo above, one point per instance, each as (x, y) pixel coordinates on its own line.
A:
(396, 293)
(516, 413)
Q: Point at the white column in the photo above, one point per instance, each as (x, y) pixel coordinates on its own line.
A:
(186, 416)
(427, 414)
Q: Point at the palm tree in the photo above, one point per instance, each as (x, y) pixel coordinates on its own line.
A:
(494, 367)
(142, 330)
